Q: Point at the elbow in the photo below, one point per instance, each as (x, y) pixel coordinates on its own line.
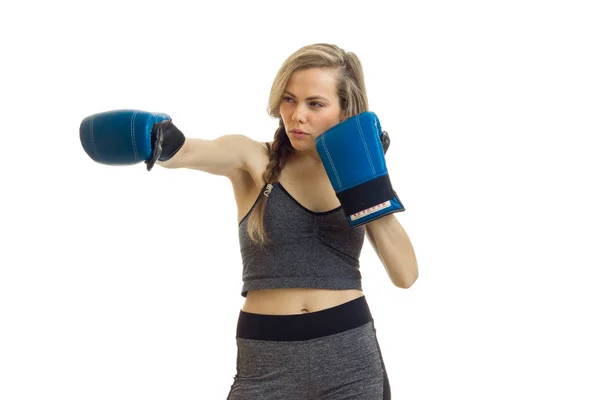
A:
(406, 281)
(404, 284)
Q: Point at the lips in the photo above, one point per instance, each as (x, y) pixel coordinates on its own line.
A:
(298, 134)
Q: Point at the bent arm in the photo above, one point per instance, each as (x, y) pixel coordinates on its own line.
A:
(394, 248)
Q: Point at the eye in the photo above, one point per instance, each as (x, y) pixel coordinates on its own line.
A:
(287, 99)
(316, 104)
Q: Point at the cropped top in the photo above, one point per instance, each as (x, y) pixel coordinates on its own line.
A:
(307, 249)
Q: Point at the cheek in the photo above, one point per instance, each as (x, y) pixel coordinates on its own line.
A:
(331, 120)
(333, 115)
(284, 112)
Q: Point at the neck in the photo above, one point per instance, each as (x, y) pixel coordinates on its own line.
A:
(307, 165)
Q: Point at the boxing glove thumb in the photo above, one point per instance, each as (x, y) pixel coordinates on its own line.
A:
(385, 141)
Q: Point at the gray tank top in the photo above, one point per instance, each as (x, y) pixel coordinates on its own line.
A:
(307, 249)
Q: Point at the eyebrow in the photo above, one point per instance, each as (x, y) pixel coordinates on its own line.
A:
(308, 98)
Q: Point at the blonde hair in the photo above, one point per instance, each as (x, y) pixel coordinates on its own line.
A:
(352, 95)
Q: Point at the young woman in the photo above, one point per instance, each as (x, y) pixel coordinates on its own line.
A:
(305, 330)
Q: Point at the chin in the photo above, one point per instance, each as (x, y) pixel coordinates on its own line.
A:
(302, 145)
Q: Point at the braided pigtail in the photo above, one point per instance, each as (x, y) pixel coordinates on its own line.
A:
(280, 152)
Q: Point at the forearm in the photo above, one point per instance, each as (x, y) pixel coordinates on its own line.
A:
(394, 249)
(218, 156)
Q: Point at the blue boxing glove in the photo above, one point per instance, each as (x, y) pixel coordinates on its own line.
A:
(125, 137)
(352, 153)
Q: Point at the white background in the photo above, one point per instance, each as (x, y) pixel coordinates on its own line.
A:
(117, 283)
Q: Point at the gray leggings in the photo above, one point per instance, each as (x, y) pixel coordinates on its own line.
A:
(326, 355)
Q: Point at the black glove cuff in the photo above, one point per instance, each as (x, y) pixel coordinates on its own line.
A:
(366, 195)
(166, 141)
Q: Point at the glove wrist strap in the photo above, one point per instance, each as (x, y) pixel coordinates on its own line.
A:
(368, 197)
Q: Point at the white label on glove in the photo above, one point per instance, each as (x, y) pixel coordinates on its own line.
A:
(369, 211)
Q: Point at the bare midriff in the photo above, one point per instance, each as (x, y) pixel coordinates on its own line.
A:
(296, 301)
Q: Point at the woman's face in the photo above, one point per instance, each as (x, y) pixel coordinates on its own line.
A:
(310, 106)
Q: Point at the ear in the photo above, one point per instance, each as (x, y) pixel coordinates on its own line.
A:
(343, 117)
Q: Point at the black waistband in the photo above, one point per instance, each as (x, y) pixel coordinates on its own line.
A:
(313, 325)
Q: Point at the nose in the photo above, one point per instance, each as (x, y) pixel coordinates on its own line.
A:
(299, 114)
